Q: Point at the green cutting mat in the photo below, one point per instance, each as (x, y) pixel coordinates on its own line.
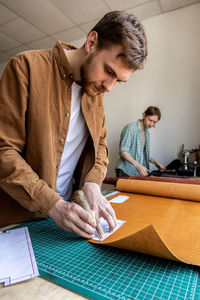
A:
(102, 272)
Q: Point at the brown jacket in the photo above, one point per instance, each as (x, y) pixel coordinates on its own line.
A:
(35, 102)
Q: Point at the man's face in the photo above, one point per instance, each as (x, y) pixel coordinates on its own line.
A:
(101, 70)
(150, 121)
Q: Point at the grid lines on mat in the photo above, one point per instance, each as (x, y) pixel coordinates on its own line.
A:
(101, 272)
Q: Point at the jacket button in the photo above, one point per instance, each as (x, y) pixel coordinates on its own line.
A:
(62, 140)
(67, 115)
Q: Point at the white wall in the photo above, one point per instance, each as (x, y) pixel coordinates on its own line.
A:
(170, 80)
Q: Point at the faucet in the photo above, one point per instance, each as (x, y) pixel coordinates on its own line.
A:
(195, 164)
(186, 154)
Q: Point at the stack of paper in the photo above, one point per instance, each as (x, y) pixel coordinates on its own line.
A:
(17, 259)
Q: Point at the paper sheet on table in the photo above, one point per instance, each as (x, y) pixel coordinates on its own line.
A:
(111, 194)
(119, 199)
(106, 231)
(17, 259)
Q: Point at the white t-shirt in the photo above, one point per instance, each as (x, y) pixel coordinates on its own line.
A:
(74, 144)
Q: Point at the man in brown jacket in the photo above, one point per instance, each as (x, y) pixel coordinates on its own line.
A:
(52, 125)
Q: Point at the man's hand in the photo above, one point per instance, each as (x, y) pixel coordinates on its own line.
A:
(160, 166)
(157, 164)
(140, 168)
(143, 171)
(73, 218)
(100, 205)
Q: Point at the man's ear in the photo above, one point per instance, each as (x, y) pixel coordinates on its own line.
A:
(91, 42)
(143, 116)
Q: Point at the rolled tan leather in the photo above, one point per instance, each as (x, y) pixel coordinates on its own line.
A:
(161, 226)
(163, 189)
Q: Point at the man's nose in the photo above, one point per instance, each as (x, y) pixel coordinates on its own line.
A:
(108, 84)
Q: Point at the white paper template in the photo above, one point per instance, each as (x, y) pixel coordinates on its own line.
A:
(105, 228)
(119, 199)
(111, 194)
(17, 259)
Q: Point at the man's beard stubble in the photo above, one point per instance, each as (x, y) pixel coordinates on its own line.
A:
(86, 83)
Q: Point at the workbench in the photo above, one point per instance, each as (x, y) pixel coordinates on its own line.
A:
(36, 288)
(70, 263)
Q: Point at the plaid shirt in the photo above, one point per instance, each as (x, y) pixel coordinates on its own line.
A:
(131, 142)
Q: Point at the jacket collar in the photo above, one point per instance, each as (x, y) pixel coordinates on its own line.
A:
(63, 64)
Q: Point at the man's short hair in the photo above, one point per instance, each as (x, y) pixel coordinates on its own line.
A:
(153, 111)
(123, 29)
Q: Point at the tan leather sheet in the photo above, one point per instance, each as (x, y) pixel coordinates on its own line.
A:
(160, 226)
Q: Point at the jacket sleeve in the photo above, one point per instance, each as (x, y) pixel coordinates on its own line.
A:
(16, 177)
(98, 172)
